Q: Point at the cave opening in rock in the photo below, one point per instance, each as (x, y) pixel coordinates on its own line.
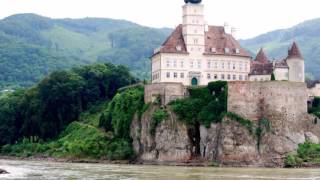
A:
(195, 138)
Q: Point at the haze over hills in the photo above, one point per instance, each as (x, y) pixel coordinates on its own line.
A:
(32, 46)
(275, 43)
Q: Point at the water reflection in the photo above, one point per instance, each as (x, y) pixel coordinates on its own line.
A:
(65, 171)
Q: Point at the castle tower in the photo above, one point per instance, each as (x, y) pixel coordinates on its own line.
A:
(194, 26)
(296, 65)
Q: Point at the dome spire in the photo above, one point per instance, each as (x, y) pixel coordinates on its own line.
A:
(193, 1)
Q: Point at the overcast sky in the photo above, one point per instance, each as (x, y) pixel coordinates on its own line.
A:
(250, 17)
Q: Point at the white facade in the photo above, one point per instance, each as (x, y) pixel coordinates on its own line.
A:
(205, 68)
(296, 70)
(281, 74)
(199, 56)
(196, 66)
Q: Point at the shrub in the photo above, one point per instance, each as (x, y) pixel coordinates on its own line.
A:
(205, 105)
(306, 153)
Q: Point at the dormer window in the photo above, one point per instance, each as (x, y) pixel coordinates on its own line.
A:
(237, 51)
(178, 48)
(227, 50)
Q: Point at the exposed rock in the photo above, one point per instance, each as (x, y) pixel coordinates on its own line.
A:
(228, 143)
(2, 171)
(170, 142)
(311, 137)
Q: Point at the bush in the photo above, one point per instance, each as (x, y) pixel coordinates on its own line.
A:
(121, 111)
(306, 153)
(205, 105)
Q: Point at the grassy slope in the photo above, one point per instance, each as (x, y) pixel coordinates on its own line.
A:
(81, 139)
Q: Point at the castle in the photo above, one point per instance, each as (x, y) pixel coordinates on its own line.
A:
(196, 54)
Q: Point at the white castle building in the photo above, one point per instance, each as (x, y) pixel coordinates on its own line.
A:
(196, 54)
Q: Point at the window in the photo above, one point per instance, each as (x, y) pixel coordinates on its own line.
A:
(246, 66)
(209, 76)
(237, 51)
(222, 65)
(182, 64)
(208, 64)
(199, 64)
(182, 75)
(234, 77)
(234, 66)
(195, 41)
(240, 77)
(175, 75)
(191, 64)
(240, 65)
(175, 63)
(229, 65)
(226, 50)
(215, 76)
(168, 63)
(229, 76)
(222, 76)
(216, 65)
(168, 74)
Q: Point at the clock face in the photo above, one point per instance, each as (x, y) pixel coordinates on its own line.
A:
(192, 1)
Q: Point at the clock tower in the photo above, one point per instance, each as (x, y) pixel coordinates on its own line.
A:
(194, 26)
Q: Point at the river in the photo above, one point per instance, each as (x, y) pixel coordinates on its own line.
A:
(36, 170)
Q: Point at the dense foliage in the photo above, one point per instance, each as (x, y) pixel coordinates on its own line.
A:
(80, 140)
(44, 110)
(121, 110)
(306, 153)
(32, 46)
(205, 105)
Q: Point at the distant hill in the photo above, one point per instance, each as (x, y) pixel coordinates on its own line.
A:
(276, 43)
(31, 46)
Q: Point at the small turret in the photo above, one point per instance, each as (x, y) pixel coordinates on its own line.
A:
(294, 52)
(261, 57)
(296, 65)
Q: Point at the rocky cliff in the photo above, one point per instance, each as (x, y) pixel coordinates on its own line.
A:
(228, 143)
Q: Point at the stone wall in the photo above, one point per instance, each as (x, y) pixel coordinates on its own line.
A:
(254, 100)
(167, 91)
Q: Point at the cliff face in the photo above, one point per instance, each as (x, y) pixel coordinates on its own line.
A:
(228, 143)
(231, 143)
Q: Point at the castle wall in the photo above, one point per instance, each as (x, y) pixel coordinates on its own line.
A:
(167, 91)
(254, 100)
(315, 91)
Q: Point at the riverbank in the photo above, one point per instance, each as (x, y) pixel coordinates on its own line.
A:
(188, 163)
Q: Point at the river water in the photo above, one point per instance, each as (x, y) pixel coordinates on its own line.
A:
(35, 170)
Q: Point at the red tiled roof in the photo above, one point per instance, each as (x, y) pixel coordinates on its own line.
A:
(281, 64)
(261, 57)
(215, 38)
(261, 68)
(294, 52)
(173, 41)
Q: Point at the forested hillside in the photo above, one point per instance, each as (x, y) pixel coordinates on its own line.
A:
(32, 46)
(276, 44)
